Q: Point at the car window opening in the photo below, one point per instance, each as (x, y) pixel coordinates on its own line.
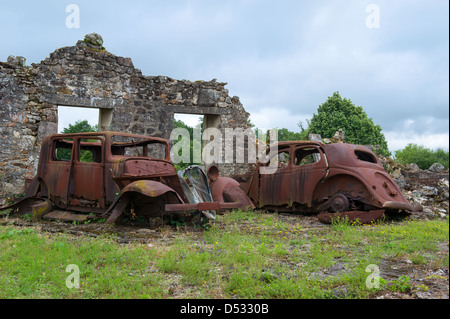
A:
(306, 156)
(90, 151)
(135, 147)
(62, 150)
(364, 156)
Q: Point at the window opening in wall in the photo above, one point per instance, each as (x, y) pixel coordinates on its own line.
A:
(190, 122)
(70, 115)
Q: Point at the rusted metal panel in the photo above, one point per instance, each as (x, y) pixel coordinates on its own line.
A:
(226, 189)
(40, 209)
(27, 205)
(297, 172)
(151, 189)
(107, 172)
(207, 206)
(337, 178)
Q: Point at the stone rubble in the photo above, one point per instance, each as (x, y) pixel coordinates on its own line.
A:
(429, 188)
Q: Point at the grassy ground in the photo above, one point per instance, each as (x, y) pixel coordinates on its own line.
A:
(242, 255)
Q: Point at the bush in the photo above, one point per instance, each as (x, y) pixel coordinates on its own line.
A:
(340, 113)
(422, 156)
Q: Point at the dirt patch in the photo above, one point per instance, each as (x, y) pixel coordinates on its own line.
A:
(122, 233)
(423, 282)
(408, 280)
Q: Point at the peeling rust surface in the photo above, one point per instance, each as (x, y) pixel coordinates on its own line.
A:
(313, 177)
(111, 174)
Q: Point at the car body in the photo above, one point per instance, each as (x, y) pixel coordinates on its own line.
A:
(325, 178)
(109, 173)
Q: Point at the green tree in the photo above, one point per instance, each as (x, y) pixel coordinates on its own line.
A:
(422, 156)
(286, 135)
(340, 113)
(181, 124)
(79, 126)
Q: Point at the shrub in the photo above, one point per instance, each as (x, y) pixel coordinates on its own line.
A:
(422, 156)
(340, 113)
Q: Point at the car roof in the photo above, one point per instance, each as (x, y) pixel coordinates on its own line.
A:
(294, 143)
(108, 134)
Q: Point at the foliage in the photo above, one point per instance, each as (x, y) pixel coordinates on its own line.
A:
(181, 124)
(340, 113)
(245, 254)
(422, 156)
(81, 126)
(400, 285)
(286, 135)
(78, 127)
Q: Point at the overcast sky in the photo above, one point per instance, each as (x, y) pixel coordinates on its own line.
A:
(282, 58)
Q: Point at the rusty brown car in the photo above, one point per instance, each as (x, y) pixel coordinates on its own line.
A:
(111, 174)
(330, 179)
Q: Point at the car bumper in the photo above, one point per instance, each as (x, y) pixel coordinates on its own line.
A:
(393, 205)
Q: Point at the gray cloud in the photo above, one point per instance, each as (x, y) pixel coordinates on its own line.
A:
(282, 58)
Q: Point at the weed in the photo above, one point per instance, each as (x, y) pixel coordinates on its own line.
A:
(14, 232)
(340, 223)
(401, 284)
(5, 212)
(421, 287)
(244, 254)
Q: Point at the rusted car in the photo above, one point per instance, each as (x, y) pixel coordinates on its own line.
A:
(113, 174)
(329, 179)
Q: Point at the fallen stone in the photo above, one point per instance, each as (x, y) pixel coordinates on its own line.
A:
(413, 167)
(429, 191)
(437, 168)
(443, 183)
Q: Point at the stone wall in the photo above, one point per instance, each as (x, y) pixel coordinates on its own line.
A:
(86, 75)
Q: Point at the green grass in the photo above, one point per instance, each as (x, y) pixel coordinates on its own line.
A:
(243, 255)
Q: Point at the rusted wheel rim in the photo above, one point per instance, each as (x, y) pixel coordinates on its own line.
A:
(339, 203)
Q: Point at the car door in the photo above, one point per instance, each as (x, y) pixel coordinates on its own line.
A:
(86, 185)
(58, 171)
(274, 188)
(309, 167)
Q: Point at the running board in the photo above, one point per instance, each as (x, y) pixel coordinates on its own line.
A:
(67, 216)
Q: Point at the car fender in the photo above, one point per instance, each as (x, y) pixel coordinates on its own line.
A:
(149, 188)
(336, 183)
(36, 188)
(226, 189)
(146, 188)
(372, 193)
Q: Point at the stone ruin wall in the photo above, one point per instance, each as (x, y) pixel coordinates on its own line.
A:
(88, 76)
(128, 101)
